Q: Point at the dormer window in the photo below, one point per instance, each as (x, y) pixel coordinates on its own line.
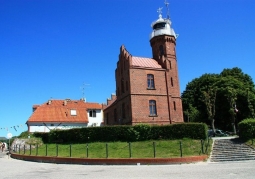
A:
(92, 113)
(73, 112)
(159, 25)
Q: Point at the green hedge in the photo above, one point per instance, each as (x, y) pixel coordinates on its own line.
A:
(139, 132)
(43, 136)
(247, 129)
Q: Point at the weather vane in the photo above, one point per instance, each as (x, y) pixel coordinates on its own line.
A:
(160, 11)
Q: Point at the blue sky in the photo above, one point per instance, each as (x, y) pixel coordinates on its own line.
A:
(50, 48)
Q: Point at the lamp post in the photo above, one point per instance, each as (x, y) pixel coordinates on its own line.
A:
(9, 136)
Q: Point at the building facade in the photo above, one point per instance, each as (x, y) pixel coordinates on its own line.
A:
(147, 89)
(64, 114)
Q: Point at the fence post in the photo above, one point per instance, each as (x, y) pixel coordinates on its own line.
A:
(181, 148)
(130, 152)
(46, 149)
(202, 146)
(70, 150)
(56, 149)
(24, 149)
(36, 149)
(206, 145)
(30, 149)
(19, 148)
(87, 150)
(106, 145)
(154, 150)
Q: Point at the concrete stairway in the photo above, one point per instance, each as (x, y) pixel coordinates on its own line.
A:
(231, 150)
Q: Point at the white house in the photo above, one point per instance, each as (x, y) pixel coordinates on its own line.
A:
(64, 114)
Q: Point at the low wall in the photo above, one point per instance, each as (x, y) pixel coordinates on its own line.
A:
(126, 161)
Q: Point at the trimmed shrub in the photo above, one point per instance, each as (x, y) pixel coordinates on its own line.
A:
(180, 131)
(139, 132)
(247, 129)
(43, 136)
(143, 132)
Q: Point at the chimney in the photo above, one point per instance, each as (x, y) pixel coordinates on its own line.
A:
(35, 107)
(83, 99)
(108, 101)
(113, 96)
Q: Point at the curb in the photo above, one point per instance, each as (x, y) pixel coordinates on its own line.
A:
(97, 161)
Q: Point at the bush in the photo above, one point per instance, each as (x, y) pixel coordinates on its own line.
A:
(139, 132)
(142, 131)
(180, 131)
(43, 136)
(247, 129)
(24, 135)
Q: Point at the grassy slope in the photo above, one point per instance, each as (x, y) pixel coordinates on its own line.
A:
(142, 149)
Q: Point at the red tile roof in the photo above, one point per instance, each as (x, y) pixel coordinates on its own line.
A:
(145, 62)
(60, 111)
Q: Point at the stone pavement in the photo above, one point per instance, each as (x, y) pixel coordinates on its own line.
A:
(12, 168)
(3, 154)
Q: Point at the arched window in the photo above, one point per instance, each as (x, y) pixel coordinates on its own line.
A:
(123, 111)
(115, 115)
(122, 86)
(174, 106)
(153, 108)
(161, 50)
(106, 118)
(150, 81)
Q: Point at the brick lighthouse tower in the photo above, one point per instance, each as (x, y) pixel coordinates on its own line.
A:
(163, 42)
(147, 89)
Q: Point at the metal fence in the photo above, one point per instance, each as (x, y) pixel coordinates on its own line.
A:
(107, 150)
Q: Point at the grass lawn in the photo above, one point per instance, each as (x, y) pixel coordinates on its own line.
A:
(142, 149)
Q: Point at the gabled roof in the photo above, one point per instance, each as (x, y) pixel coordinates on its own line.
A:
(145, 62)
(60, 111)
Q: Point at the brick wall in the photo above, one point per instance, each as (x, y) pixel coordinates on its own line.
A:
(133, 95)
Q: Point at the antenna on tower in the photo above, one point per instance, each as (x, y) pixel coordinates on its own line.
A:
(83, 91)
(167, 8)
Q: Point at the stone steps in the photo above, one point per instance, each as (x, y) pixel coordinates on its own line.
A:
(231, 150)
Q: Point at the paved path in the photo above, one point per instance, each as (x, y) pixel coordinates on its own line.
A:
(12, 168)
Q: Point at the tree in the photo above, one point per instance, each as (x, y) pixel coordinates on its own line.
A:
(209, 98)
(232, 97)
(192, 114)
(214, 96)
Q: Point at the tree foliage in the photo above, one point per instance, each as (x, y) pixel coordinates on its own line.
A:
(218, 97)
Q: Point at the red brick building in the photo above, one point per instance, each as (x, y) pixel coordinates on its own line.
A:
(147, 89)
